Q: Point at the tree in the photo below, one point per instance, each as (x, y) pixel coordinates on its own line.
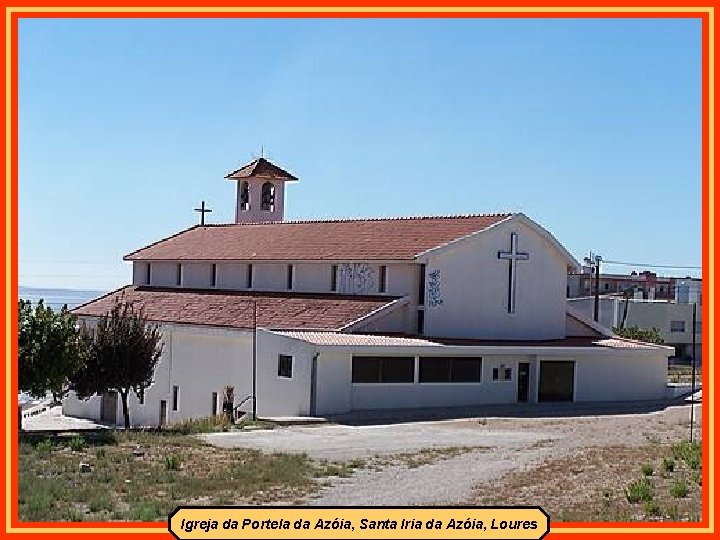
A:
(122, 355)
(648, 335)
(50, 349)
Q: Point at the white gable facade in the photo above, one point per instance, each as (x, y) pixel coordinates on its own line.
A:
(472, 317)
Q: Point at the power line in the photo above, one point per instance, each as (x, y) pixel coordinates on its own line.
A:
(621, 263)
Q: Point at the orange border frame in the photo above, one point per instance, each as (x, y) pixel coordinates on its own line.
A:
(703, 10)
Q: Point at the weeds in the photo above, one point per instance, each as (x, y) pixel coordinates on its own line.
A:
(646, 469)
(639, 491)
(172, 462)
(668, 465)
(77, 444)
(679, 488)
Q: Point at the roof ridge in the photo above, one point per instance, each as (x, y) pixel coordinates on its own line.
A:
(359, 219)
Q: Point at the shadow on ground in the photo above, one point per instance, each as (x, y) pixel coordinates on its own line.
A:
(518, 410)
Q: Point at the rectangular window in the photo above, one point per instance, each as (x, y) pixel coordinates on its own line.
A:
(141, 396)
(178, 275)
(333, 277)
(213, 281)
(214, 403)
(496, 374)
(376, 369)
(285, 363)
(450, 370)
(421, 321)
(677, 326)
(507, 374)
(290, 277)
(383, 279)
(147, 275)
(249, 277)
(421, 286)
(176, 391)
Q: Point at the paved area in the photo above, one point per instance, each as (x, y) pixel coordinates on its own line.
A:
(53, 420)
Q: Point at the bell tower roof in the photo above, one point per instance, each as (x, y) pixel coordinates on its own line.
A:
(261, 168)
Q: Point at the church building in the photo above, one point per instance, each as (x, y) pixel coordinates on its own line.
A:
(314, 318)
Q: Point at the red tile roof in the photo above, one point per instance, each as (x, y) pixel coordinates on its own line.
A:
(342, 240)
(260, 168)
(233, 309)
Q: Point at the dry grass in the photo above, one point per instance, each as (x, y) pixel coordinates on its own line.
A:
(143, 476)
(592, 486)
(424, 456)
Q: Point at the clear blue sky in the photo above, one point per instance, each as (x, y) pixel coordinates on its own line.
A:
(590, 127)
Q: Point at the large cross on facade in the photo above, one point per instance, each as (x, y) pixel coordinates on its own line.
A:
(202, 211)
(512, 257)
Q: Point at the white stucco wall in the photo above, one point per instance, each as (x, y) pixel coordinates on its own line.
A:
(201, 361)
(620, 378)
(232, 276)
(255, 213)
(197, 275)
(471, 300)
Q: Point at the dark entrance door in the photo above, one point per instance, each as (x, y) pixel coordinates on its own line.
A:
(108, 407)
(557, 381)
(163, 412)
(523, 382)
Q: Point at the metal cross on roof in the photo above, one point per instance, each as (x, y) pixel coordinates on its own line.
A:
(512, 257)
(202, 211)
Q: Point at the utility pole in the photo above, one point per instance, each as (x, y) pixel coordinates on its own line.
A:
(254, 363)
(594, 262)
(692, 384)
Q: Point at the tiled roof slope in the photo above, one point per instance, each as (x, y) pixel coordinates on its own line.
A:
(342, 240)
(260, 168)
(233, 309)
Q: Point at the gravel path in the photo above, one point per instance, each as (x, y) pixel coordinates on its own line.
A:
(454, 480)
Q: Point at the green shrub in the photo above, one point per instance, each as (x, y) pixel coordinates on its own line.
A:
(696, 476)
(647, 469)
(172, 462)
(77, 444)
(679, 488)
(44, 446)
(652, 508)
(668, 465)
(689, 452)
(638, 491)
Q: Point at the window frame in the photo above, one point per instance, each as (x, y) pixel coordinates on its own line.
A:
(381, 362)
(280, 370)
(176, 398)
(450, 369)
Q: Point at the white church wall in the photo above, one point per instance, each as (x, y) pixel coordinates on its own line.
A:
(313, 278)
(139, 270)
(255, 213)
(164, 274)
(280, 396)
(197, 275)
(467, 288)
(334, 373)
(270, 277)
(232, 276)
(200, 361)
(627, 377)
(395, 321)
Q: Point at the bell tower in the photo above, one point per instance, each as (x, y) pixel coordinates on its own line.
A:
(260, 191)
